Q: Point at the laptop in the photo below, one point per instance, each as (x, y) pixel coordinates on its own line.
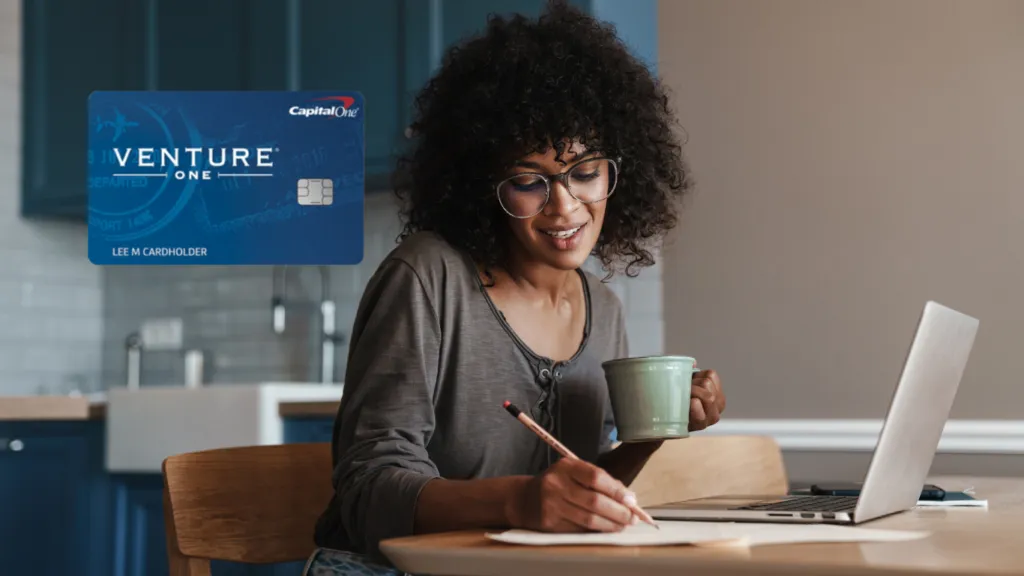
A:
(906, 446)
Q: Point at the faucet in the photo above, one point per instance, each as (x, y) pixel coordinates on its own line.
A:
(133, 369)
(329, 336)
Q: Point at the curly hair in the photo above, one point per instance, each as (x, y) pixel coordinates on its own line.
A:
(517, 88)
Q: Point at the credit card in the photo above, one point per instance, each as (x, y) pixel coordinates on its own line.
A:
(226, 178)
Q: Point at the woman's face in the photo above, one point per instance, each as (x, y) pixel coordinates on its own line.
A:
(563, 232)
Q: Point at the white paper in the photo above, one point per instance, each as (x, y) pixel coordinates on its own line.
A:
(710, 533)
(953, 503)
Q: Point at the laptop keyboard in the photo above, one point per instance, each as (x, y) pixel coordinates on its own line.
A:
(807, 504)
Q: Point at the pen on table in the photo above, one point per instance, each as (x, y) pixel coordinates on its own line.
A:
(565, 452)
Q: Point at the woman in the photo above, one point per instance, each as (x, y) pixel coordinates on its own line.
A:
(539, 143)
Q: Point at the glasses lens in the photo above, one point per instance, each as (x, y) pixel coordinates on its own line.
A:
(524, 195)
(593, 180)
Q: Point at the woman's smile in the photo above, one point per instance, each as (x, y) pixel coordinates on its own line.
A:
(564, 238)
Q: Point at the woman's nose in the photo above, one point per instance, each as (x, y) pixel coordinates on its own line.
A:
(561, 201)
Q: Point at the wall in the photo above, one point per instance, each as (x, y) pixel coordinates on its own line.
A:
(226, 311)
(853, 159)
(50, 295)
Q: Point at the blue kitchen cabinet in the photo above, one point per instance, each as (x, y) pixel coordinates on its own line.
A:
(358, 46)
(139, 538)
(54, 498)
(69, 49)
(62, 513)
(72, 48)
(298, 430)
(202, 45)
(386, 49)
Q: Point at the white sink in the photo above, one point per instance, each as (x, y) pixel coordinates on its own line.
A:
(146, 426)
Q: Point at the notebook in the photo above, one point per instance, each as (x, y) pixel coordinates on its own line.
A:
(954, 500)
(698, 533)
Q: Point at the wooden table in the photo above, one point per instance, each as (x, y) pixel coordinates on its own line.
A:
(966, 541)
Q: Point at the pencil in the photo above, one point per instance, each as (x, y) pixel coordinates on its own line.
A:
(565, 452)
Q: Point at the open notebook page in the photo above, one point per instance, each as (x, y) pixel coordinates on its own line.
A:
(710, 533)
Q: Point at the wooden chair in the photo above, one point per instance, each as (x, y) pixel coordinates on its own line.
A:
(254, 504)
(703, 466)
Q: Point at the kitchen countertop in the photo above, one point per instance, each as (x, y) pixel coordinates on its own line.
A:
(50, 408)
(309, 409)
(82, 408)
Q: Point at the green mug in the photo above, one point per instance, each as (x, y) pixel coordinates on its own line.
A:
(650, 396)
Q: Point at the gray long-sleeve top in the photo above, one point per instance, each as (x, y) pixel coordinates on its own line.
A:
(431, 361)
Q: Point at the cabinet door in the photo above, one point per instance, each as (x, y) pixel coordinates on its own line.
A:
(140, 544)
(69, 49)
(358, 46)
(313, 429)
(72, 48)
(275, 45)
(50, 501)
(461, 18)
(203, 45)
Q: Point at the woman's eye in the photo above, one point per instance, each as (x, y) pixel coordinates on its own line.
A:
(530, 187)
(527, 183)
(586, 176)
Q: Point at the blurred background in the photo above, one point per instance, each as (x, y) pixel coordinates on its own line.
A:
(852, 160)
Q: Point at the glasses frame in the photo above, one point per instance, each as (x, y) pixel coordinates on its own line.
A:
(563, 179)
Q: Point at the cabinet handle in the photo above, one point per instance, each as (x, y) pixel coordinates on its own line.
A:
(16, 445)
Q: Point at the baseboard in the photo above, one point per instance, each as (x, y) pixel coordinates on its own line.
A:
(959, 436)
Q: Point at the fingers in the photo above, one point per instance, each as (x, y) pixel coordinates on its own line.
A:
(705, 400)
(594, 478)
(586, 519)
(702, 402)
(594, 511)
(599, 501)
(698, 419)
(558, 521)
(714, 383)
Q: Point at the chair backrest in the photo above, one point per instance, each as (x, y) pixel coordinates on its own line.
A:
(254, 504)
(702, 466)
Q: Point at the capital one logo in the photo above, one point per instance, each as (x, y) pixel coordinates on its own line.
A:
(343, 108)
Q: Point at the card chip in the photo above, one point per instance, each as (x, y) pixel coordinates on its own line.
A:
(315, 191)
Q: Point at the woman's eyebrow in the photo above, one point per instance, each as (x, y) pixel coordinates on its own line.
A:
(575, 159)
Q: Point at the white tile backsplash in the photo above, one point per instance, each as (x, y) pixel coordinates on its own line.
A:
(51, 317)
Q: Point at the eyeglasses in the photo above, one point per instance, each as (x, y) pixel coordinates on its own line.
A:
(526, 194)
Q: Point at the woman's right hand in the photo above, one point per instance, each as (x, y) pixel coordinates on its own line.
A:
(572, 496)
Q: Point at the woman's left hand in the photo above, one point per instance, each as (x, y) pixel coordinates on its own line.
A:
(707, 401)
